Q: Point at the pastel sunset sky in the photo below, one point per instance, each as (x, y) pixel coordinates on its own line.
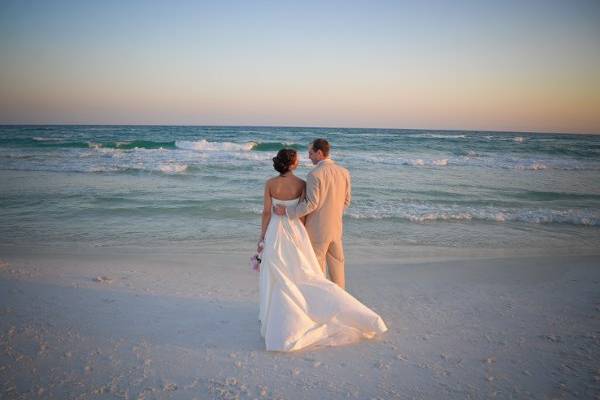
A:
(477, 65)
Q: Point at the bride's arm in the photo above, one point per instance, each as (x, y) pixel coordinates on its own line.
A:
(266, 214)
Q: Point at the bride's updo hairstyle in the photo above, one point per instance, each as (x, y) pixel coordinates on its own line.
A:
(284, 159)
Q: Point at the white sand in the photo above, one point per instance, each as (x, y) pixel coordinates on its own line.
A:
(169, 324)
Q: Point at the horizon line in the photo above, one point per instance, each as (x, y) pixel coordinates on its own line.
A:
(296, 126)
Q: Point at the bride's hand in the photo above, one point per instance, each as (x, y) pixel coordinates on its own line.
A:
(279, 210)
(260, 246)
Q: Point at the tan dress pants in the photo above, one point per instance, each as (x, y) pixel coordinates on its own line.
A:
(330, 254)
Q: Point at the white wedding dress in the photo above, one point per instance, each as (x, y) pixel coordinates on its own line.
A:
(299, 306)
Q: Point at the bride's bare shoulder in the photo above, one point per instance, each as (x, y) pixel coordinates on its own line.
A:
(301, 185)
(269, 183)
(300, 180)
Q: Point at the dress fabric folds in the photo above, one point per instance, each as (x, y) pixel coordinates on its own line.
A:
(299, 306)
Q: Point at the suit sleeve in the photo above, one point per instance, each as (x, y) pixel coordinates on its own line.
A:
(348, 191)
(310, 202)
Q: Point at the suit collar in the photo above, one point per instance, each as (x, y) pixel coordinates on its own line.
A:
(325, 161)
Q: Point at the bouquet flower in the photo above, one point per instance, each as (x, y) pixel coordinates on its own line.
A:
(256, 258)
(255, 262)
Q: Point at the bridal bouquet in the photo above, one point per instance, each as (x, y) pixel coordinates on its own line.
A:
(255, 259)
(255, 262)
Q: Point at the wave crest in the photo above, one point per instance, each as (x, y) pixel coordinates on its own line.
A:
(579, 217)
(173, 168)
(205, 145)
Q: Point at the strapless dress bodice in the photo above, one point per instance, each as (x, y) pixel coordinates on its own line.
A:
(285, 203)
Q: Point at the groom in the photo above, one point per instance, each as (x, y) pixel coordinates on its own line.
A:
(327, 195)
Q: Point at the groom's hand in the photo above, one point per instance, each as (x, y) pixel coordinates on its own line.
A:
(279, 210)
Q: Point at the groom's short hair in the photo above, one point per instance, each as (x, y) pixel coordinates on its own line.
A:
(321, 144)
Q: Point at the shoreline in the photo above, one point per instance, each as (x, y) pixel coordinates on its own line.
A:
(356, 252)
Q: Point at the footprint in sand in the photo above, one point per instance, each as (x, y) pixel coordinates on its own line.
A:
(170, 387)
(103, 279)
(381, 365)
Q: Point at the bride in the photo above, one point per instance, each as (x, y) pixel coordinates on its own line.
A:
(299, 306)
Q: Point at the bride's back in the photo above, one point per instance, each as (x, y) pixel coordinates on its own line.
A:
(286, 187)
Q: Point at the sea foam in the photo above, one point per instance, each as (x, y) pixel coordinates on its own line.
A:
(205, 145)
(419, 213)
(173, 168)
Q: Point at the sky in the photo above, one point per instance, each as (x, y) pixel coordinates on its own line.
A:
(473, 65)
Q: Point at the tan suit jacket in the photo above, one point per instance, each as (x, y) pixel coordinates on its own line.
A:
(328, 193)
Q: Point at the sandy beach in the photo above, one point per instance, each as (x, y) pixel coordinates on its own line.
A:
(139, 142)
(139, 323)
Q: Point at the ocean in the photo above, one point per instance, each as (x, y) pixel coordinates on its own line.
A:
(156, 185)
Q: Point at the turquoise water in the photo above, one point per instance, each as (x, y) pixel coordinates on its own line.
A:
(109, 185)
